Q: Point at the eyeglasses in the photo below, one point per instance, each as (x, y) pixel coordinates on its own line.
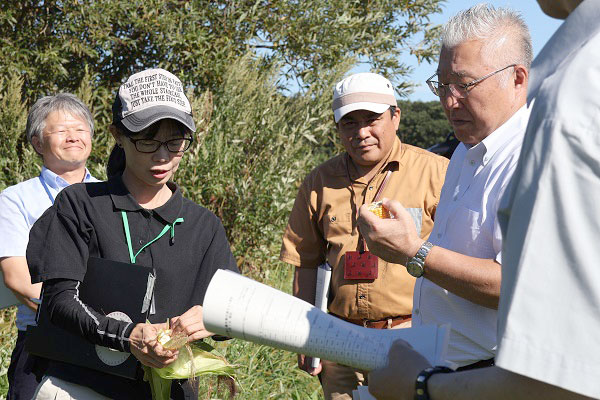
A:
(458, 90)
(172, 145)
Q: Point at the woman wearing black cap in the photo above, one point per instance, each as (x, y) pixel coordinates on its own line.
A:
(138, 216)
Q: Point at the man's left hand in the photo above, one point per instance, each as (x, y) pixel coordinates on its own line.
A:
(191, 323)
(397, 379)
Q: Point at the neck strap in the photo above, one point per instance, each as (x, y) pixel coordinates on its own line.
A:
(167, 227)
(362, 245)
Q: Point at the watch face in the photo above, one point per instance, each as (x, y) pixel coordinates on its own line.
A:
(414, 269)
(109, 356)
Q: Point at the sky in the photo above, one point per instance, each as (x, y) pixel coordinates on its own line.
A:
(540, 25)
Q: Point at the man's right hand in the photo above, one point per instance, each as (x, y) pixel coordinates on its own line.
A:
(392, 239)
(304, 363)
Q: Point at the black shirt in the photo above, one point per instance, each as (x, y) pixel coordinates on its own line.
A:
(86, 221)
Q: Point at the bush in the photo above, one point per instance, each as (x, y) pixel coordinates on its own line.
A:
(254, 147)
(423, 123)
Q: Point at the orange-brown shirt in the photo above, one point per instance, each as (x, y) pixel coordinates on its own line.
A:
(322, 226)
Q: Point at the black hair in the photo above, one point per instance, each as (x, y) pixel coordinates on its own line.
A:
(116, 160)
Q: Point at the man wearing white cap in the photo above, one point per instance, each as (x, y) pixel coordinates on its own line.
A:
(322, 225)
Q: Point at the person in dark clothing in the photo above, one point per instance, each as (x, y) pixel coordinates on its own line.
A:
(138, 216)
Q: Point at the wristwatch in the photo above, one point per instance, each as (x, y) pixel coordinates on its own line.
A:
(415, 266)
(421, 392)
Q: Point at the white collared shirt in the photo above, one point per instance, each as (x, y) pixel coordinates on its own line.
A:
(549, 313)
(466, 222)
(20, 206)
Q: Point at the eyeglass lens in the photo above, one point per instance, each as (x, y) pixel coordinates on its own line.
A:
(173, 145)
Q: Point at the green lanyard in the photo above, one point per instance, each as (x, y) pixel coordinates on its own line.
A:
(132, 257)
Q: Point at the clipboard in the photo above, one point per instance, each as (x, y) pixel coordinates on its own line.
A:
(119, 290)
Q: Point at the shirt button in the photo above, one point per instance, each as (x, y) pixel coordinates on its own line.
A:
(362, 296)
(416, 312)
(141, 241)
(472, 162)
(439, 235)
(370, 187)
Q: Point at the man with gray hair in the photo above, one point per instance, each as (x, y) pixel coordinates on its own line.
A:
(482, 84)
(548, 318)
(60, 129)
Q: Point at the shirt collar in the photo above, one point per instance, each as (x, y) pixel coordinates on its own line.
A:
(513, 127)
(123, 200)
(581, 25)
(56, 182)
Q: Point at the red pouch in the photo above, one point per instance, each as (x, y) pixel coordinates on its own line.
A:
(359, 265)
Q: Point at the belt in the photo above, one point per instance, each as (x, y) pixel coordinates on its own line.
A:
(478, 364)
(384, 323)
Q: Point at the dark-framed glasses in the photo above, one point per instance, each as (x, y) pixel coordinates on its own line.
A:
(458, 90)
(178, 145)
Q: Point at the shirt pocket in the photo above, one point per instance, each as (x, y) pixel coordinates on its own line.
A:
(417, 216)
(337, 225)
(463, 233)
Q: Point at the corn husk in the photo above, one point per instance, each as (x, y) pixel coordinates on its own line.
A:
(170, 340)
(202, 359)
(194, 360)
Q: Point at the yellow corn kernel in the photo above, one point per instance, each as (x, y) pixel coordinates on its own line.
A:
(378, 209)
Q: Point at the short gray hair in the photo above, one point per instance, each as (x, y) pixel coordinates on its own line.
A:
(498, 28)
(36, 120)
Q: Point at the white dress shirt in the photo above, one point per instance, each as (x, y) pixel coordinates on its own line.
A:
(549, 314)
(466, 222)
(20, 206)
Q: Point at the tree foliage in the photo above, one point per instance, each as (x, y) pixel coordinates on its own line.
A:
(234, 56)
(423, 123)
(49, 42)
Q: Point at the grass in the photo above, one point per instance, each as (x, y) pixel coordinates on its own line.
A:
(261, 371)
(8, 337)
(264, 372)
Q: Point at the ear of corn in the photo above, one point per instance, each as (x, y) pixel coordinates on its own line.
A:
(378, 209)
(196, 359)
(206, 361)
(170, 340)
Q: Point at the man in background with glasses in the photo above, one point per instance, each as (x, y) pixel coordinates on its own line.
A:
(60, 129)
(482, 84)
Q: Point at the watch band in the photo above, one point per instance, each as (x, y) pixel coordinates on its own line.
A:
(416, 265)
(421, 392)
